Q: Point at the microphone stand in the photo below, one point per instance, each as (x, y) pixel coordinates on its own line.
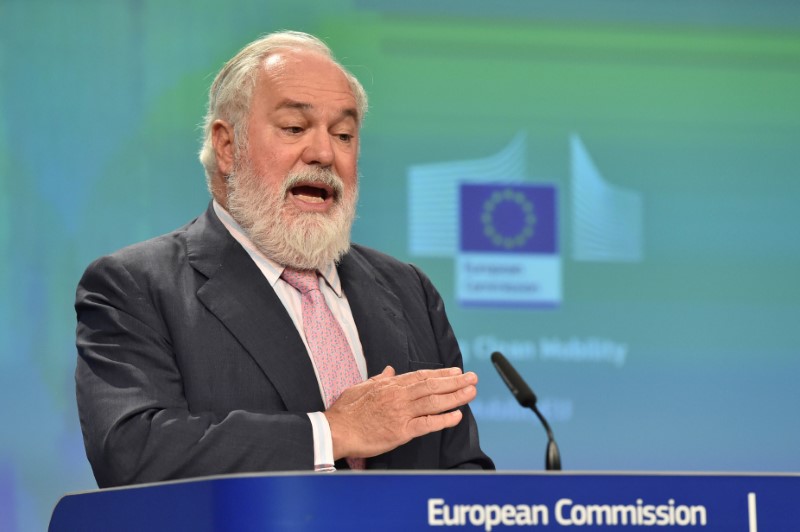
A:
(552, 459)
(526, 398)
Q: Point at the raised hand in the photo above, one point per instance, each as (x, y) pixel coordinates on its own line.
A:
(388, 410)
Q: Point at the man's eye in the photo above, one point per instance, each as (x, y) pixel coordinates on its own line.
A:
(293, 130)
(345, 137)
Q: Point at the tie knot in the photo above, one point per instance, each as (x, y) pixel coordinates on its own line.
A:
(302, 280)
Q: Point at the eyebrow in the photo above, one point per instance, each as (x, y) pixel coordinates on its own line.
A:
(303, 106)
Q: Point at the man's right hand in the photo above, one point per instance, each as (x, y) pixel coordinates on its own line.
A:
(388, 410)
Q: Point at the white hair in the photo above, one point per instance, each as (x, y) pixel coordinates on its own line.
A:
(230, 94)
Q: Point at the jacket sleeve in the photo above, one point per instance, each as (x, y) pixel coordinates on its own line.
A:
(136, 422)
(460, 447)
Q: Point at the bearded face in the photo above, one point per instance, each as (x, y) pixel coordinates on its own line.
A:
(292, 164)
(292, 236)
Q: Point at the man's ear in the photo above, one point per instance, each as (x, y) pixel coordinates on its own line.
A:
(223, 140)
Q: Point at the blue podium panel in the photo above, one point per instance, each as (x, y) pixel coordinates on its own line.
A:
(414, 501)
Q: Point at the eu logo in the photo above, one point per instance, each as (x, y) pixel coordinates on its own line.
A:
(508, 218)
(508, 253)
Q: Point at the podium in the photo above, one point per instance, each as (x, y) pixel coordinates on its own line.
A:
(416, 500)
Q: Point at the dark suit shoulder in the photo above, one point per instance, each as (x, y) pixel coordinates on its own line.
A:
(383, 264)
(163, 261)
(404, 279)
(141, 278)
(400, 277)
(148, 253)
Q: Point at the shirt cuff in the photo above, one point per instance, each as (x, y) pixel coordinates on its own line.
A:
(323, 442)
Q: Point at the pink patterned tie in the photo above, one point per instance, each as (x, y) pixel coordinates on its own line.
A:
(332, 355)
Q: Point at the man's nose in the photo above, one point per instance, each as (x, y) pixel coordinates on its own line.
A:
(319, 150)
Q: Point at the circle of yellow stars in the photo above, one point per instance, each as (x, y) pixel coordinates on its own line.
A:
(508, 242)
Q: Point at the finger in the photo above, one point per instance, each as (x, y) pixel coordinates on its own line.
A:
(441, 385)
(422, 374)
(420, 426)
(387, 372)
(436, 404)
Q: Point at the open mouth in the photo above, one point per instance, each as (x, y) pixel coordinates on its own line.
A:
(311, 193)
(316, 193)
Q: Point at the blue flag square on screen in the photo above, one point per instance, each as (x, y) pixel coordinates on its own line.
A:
(509, 218)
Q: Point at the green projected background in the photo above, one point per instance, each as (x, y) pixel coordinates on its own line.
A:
(670, 132)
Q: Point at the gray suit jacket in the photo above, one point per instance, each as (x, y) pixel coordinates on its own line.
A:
(189, 365)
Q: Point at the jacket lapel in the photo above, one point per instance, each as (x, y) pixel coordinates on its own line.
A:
(381, 325)
(239, 296)
(378, 315)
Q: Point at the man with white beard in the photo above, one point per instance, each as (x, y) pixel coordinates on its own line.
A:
(256, 338)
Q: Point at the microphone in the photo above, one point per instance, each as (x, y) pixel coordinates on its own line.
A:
(525, 397)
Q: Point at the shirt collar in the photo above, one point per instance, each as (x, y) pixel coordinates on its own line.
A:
(271, 269)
